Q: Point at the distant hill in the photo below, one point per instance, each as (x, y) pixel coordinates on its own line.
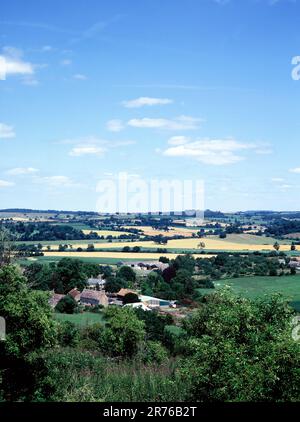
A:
(30, 211)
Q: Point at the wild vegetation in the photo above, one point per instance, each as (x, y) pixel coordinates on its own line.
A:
(229, 348)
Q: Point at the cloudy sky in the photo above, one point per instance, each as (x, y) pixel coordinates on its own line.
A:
(173, 89)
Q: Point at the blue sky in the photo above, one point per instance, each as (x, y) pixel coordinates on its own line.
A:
(173, 89)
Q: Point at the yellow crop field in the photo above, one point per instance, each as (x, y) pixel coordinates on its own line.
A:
(210, 243)
(173, 231)
(118, 255)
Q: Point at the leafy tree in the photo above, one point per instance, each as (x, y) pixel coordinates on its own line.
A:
(169, 273)
(67, 305)
(127, 273)
(241, 350)
(6, 246)
(68, 334)
(185, 262)
(185, 281)
(69, 273)
(155, 323)
(30, 329)
(124, 332)
(153, 352)
(114, 284)
(106, 271)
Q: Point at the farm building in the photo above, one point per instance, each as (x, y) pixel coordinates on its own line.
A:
(75, 294)
(115, 301)
(54, 299)
(154, 301)
(149, 266)
(90, 297)
(123, 292)
(94, 283)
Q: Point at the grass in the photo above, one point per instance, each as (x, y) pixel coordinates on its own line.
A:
(252, 239)
(253, 287)
(83, 319)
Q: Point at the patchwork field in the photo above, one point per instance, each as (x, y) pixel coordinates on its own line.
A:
(235, 242)
(247, 238)
(173, 231)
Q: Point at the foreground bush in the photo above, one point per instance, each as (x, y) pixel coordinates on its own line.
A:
(241, 350)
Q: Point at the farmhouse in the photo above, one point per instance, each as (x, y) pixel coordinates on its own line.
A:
(75, 294)
(93, 298)
(54, 299)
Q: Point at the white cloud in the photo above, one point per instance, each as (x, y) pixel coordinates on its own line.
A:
(80, 150)
(22, 171)
(80, 77)
(277, 179)
(285, 187)
(6, 131)
(210, 151)
(178, 140)
(146, 101)
(5, 184)
(94, 146)
(12, 63)
(295, 170)
(178, 123)
(114, 125)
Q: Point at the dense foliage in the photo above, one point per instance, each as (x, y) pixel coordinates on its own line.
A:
(61, 276)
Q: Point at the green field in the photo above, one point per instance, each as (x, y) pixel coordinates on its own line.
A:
(83, 319)
(106, 261)
(252, 239)
(253, 287)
